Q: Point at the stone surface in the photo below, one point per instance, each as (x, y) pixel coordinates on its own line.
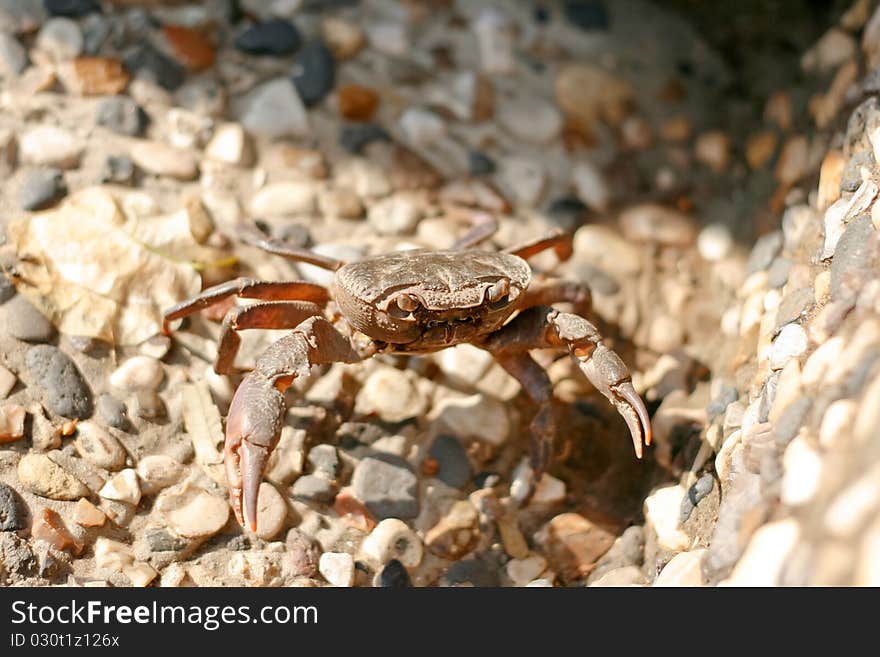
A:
(42, 476)
(387, 486)
(21, 320)
(66, 392)
(12, 511)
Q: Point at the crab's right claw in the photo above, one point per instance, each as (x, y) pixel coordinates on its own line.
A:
(253, 428)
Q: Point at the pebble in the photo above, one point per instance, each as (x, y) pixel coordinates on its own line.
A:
(522, 571)
(853, 252)
(790, 343)
(87, 514)
(573, 545)
(121, 115)
(314, 72)
(356, 102)
(604, 248)
(162, 160)
(392, 539)
(94, 76)
(655, 223)
(340, 203)
(837, 423)
(148, 63)
(591, 186)
(684, 569)
(140, 574)
(715, 242)
(524, 178)
(391, 394)
(66, 392)
(471, 572)
(48, 526)
(7, 382)
(40, 475)
(387, 487)
(284, 199)
(13, 56)
(713, 149)
(314, 488)
(479, 417)
(588, 15)
(71, 8)
(157, 472)
(344, 39)
(496, 41)
(231, 144)
(663, 512)
(453, 465)
(98, 447)
(398, 214)
(626, 576)
(695, 495)
(271, 512)
(355, 138)
(60, 38)
(112, 555)
(137, 373)
(394, 576)
(833, 49)
(422, 127)
(456, 533)
(12, 511)
(766, 555)
(123, 487)
(49, 146)
(113, 412)
(148, 404)
(21, 320)
(480, 164)
(760, 148)
(274, 109)
(276, 37)
(325, 460)
(530, 119)
(337, 568)
(191, 511)
(803, 472)
(792, 162)
(12, 418)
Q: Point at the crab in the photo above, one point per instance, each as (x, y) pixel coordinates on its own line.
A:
(405, 302)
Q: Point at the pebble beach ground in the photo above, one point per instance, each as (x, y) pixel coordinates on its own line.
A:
(728, 234)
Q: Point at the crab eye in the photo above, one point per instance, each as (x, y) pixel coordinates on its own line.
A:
(403, 304)
(500, 291)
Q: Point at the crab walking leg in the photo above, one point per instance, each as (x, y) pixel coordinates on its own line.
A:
(560, 242)
(543, 327)
(549, 292)
(256, 413)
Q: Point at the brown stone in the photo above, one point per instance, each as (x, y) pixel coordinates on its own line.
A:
(573, 545)
(48, 526)
(11, 423)
(94, 76)
(357, 103)
(191, 47)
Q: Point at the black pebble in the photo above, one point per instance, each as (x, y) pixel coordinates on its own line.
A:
(567, 213)
(272, 37)
(42, 189)
(314, 73)
(587, 14)
(121, 115)
(480, 164)
(454, 465)
(354, 138)
(118, 169)
(148, 62)
(71, 8)
(394, 576)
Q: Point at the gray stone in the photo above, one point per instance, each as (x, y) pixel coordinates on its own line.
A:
(314, 73)
(12, 513)
(159, 539)
(21, 320)
(325, 460)
(314, 488)
(597, 280)
(387, 486)
(66, 392)
(794, 305)
(148, 63)
(121, 115)
(13, 56)
(41, 189)
(453, 465)
(765, 250)
(791, 420)
(113, 412)
(777, 275)
(722, 400)
(118, 169)
(853, 252)
(477, 572)
(695, 494)
(852, 174)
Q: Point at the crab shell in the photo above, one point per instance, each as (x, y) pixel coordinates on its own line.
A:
(450, 288)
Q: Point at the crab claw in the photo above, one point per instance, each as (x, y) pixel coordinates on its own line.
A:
(253, 428)
(607, 372)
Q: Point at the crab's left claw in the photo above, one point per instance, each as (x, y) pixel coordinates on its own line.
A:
(253, 428)
(608, 373)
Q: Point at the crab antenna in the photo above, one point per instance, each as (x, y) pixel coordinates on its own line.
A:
(253, 236)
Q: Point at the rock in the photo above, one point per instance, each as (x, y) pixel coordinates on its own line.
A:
(113, 412)
(48, 526)
(391, 394)
(391, 540)
(480, 164)
(684, 569)
(606, 249)
(549, 490)
(760, 148)
(314, 488)
(626, 576)
(591, 186)
(98, 447)
(456, 533)
(471, 572)
(21, 320)
(453, 465)
(66, 392)
(628, 550)
(303, 552)
(120, 114)
(766, 248)
(422, 127)
(157, 472)
(271, 512)
(340, 204)
(573, 545)
(354, 138)
(496, 40)
(790, 343)
(13, 56)
(479, 417)
(71, 8)
(833, 49)
(357, 103)
(146, 62)
(7, 382)
(830, 174)
(854, 506)
(590, 94)
(522, 571)
(713, 149)
(60, 38)
(149, 405)
(314, 72)
(87, 514)
(853, 252)
(112, 555)
(344, 39)
(803, 472)
(284, 199)
(702, 487)
(138, 373)
(94, 76)
(49, 146)
(766, 555)
(337, 568)
(42, 189)
(42, 476)
(387, 487)
(715, 242)
(275, 37)
(325, 460)
(140, 574)
(162, 160)
(524, 179)
(191, 511)
(398, 214)
(118, 169)
(792, 162)
(663, 513)
(123, 487)
(655, 223)
(12, 511)
(587, 15)
(190, 46)
(230, 144)
(274, 109)
(530, 119)
(393, 576)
